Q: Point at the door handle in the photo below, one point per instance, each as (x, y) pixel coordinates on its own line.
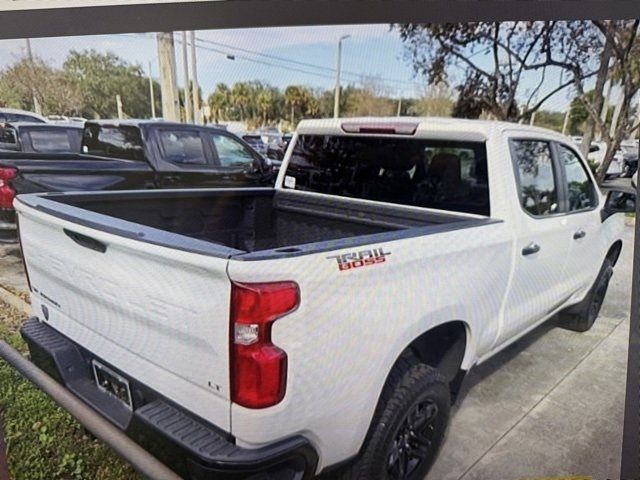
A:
(531, 249)
(171, 179)
(85, 241)
(579, 234)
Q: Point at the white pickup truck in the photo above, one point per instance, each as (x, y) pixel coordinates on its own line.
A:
(324, 326)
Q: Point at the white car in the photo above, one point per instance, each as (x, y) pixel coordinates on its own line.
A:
(327, 322)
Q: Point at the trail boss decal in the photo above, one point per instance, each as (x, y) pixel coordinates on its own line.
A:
(363, 258)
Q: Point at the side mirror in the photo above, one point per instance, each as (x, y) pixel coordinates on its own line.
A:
(619, 201)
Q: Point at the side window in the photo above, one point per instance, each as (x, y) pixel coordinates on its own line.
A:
(8, 138)
(231, 153)
(582, 192)
(50, 141)
(182, 147)
(536, 180)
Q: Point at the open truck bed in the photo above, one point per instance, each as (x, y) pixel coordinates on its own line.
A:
(247, 223)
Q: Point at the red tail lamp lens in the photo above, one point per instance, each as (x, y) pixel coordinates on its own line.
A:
(258, 367)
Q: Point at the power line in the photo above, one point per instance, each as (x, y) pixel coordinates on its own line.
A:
(298, 69)
(297, 62)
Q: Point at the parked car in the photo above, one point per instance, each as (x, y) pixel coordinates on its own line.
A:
(14, 115)
(329, 322)
(598, 151)
(630, 150)
(264, 145)
(40, 137)
(131, 155)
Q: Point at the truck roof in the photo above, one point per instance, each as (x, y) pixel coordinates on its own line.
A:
(39, 126)
(16, 111)
(131, 122)
(457, 128)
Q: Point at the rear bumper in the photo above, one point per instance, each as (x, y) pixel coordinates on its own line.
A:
(187, 444)
(8, 232)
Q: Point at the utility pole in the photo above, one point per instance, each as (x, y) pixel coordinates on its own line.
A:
(119, 105)
(36, 103)
(336, 97)
(185, 66)
(152, 95)
(399, 106)
(197, 115)
(168, 88)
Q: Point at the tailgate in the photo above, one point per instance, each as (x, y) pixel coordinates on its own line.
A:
(158, 314)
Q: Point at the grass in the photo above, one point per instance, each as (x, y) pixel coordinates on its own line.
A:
(43, 441)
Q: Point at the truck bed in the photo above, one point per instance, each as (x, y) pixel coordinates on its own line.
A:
(247, 221)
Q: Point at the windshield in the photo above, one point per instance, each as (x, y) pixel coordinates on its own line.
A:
(447, 175)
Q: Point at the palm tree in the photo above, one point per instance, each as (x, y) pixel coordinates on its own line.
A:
(219, 101)
(265, 99)
(294, 97)
(241, 97)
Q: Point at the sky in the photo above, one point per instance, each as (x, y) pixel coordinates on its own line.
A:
(306, 56)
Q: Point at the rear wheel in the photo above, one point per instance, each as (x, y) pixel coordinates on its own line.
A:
(582, 316)
(408, 428)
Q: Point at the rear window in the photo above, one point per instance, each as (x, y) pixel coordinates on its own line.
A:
(446, 175)
(124, 141)
(52, 141)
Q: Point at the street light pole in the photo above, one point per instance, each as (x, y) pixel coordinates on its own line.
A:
(336, 97)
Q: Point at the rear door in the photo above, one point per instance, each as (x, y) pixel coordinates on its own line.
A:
(583, 219)
(539, 283)
(157, 314)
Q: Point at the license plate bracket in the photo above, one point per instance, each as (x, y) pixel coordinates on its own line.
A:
(112, 383)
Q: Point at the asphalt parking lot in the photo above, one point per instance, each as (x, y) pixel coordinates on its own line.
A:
(551, 404)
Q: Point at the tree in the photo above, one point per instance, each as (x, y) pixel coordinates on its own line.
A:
(294, 96)
(437, 101)
(55, 90)
(495, 56)
(100, 77)
(579, 113)
(621, 37)
(371, 99)
(219, 101)
(241, 97)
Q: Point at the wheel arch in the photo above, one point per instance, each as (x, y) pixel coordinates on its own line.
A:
(443, 347)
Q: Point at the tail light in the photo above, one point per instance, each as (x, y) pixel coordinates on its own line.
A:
(258, 367)
(7, 194)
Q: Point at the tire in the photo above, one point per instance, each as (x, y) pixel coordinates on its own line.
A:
(410, 420)
(582, 316)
